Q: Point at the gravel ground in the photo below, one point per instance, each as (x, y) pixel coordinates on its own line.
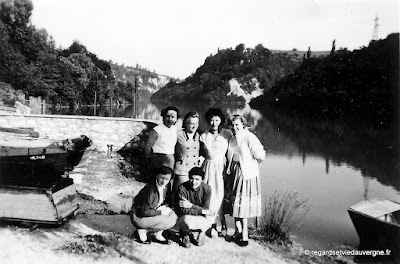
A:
(99, 235)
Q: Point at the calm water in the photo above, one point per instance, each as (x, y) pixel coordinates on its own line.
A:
(329, 164)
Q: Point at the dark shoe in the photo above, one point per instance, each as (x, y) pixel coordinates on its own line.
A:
(163, 242)
(186, 241)
(242, 243)
(235, 238)
(222, 233)
(200, 239)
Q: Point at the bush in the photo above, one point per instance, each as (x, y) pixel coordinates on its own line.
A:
(8, 95)
(283, 213)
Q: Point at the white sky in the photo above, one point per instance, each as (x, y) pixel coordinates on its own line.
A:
(174, 37)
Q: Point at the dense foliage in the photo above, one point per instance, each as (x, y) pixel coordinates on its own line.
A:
(210, 82)
(30, 62)
(362, 83)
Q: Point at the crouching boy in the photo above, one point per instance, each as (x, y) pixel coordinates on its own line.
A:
(193, 208)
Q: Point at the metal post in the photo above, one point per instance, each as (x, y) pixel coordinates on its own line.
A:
(95, 103)
(44, 106)
(111, 92)
(136, 99)
(111, 105)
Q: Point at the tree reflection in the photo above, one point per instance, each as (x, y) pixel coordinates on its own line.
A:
(373, 152)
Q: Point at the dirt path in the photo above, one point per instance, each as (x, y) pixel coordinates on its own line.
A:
(74, 242)
(95, 237)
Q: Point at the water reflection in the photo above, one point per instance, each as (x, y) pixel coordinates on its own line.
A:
(373, 153)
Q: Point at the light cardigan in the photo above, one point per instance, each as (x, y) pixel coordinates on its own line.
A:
(249, 149)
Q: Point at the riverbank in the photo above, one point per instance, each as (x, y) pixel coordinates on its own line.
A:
(101, 232)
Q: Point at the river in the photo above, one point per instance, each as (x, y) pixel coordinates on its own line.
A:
(330, 164)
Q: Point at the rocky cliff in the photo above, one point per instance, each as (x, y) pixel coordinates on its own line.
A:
(150, 81)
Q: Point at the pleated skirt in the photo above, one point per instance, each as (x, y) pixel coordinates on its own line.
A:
(243, 196)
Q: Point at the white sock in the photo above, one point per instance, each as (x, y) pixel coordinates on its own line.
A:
(214, 232)
(142, 234)
(159, 236)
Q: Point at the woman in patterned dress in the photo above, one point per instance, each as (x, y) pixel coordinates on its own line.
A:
(245, 151)
(214, 144)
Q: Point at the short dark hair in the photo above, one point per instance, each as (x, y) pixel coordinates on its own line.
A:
(196, 171)
(211, 112)
(168, 108)
(164, 170)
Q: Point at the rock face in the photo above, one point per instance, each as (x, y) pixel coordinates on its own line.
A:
(235, 89)
(153, 84)
(150, 81)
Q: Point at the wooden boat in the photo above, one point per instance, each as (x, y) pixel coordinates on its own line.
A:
(75, 148)
(45, 202)
(19, 145)
(377, 222)
(33, 184)
(25, 166)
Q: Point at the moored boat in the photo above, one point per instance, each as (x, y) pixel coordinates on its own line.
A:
(377, 222)
(34, 185)
(19, 145)
(75, 148)
(45, 202)
(26, 166)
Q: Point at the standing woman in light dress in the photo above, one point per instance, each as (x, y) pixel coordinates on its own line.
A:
(214, 145)
(245, 151)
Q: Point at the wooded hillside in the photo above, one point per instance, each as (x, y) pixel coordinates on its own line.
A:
(210, 82)
(362, 83)
(31, 63)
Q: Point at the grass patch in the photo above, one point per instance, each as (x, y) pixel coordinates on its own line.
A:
(283, 213)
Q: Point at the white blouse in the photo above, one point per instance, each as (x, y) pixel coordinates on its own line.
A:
(166, 139)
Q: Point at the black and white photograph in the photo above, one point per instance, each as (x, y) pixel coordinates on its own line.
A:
(188, 131)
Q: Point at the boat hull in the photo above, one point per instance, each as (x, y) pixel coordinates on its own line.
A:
(376, 234)
(27, 166)
(51, 203)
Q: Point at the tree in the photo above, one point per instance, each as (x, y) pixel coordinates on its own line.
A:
(333, 47)
(309, 53)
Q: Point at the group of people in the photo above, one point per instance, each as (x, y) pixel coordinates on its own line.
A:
(197, 178)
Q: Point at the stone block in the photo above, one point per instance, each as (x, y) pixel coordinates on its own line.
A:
(97, 127)
(59, 121)
(31, 122)
(17, 121)
(5, 122)
(114, 137)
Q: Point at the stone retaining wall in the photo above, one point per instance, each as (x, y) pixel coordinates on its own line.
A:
(102, 131)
